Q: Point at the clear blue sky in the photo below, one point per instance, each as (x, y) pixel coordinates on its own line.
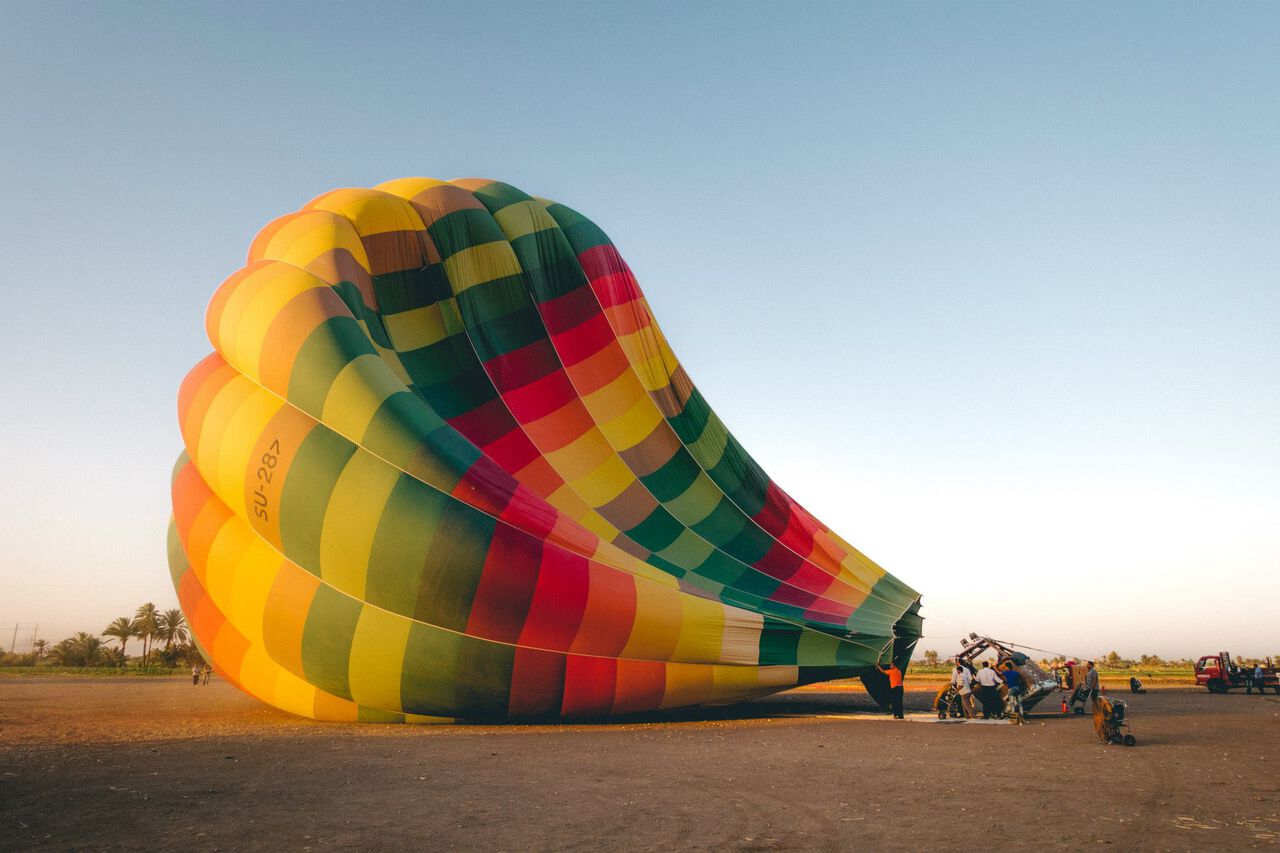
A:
(994, 289)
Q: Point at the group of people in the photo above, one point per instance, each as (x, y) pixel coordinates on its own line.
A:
(200, 673)
(986, 683)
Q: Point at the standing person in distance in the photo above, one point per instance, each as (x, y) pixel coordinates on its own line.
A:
(990, 693)
(962, 679)
(1091, 682)
(895, 688)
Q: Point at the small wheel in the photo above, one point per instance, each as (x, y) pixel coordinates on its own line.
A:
(1130, 740)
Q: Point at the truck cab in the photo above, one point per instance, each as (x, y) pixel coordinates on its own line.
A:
(1214, 672)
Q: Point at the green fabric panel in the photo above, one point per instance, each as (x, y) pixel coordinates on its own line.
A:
(463, 229)
(429, 674)
(326, 640)
(510, 333)
(455, 675)
(350, 294)
(305, 496)
(470, 390)
(453, 566)
(778, 642)
(723, 525)
(498, 195)
(550, 268)
(667, 566)
(674, 478)
(331, 346)
(755, 582)
(750, 544)
(690, 422)
(399, 426)
(490, 300)
(582, 233)
(401, 544)
(178, 562)
(405, 290)
(657, 531)
(721, 568)
(483, 679)
(436, 363)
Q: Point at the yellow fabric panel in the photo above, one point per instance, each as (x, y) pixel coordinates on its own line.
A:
(377, 658)
(633, 426)
(615, 397)
(654, 636)
(355, 395)
(308, 236)
(732, 683)
(523, 217)
(258, 673)
(604, 483)
(213, 431)
(687, 684)
(701, 630)
(241, 435)
(417, 328)
(250, 588)
(478, 264)
(408, 188)
(351, 521)
(581, 456)
(596, 523)
(392, 359)
(293, 694)
(243, 333)
(224, 563)
(371, 211)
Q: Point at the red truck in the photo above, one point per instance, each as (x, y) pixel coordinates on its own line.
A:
(1219, 674)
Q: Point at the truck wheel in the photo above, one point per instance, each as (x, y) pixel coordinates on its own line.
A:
(1217, 685)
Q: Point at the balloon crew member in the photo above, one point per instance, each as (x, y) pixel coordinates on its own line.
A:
(1091, 682)
(895, 688)
(989, 693)
(1013, 681)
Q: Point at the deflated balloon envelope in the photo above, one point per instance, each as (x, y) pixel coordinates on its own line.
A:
(442, 464)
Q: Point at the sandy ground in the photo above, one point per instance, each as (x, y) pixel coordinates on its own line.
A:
(157, 764)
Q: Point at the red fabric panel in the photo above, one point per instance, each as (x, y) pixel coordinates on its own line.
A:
(507, 584)
(558, 602)
(588, 686)
(537, 683)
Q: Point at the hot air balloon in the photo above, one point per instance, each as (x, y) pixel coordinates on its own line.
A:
(442, 465)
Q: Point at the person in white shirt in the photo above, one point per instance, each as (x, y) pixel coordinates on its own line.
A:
(962, 680)
(988, 679)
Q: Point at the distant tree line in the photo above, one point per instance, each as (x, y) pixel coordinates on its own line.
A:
(1111, 660)
(166, 642)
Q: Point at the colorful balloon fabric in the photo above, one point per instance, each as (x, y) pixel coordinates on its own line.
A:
(443, 465)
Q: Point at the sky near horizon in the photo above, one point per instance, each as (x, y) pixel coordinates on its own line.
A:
(992, 289)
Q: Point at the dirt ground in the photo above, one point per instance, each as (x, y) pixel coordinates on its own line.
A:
(158, 764)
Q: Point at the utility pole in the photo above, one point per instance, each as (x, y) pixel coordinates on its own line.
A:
(13, 645)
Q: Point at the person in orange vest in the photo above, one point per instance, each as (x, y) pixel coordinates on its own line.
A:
(895, 688)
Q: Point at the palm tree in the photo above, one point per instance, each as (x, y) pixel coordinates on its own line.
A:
(172, 628)
(148, 624)
(38, 647)
(81, 650)
(121, 629)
